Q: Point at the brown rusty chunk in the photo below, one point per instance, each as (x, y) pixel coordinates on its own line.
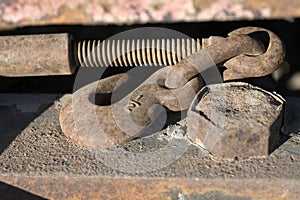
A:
(245, 57)
(36, 55)
(89, 124)
(235, 120)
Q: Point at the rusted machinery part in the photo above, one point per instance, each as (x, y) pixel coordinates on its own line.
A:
(89, 120)
(118, 127)
(135, 52)
(244, 66)
(59, 186)
(36, 55)
(244, 126)
(145, 97)
(139, 52)
(256, 64)
(58, 54)
(78, 116)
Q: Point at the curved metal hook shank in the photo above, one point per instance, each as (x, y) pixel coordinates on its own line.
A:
(244, 66)
(143, 98)
(216, 53)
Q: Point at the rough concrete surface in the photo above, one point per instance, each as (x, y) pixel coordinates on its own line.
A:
(39, 148)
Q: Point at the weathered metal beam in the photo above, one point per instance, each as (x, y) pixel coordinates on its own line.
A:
(96, 187)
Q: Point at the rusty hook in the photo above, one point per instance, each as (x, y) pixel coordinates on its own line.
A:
(146, 96)
(93, 123)
(234, 49)
(244, 66)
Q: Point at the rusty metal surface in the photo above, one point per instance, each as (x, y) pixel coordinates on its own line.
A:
(95, 187)
(245, 54)
(41, 160)
(235, 120)
(81, 125)
(167, 87)
(145, 97)
(115, 123)
(35, 55)
(30, 12)
(53, 54)
(243, 66)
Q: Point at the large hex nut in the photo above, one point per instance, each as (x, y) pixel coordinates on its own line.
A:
(235, 120)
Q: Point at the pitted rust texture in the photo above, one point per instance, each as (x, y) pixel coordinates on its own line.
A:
(235, 120)
(96, 187)
(82, 126)
(219, 51)
(89, 120)
(144, 97)
(119, 127)
(42, 161)
(35, 55)
(244, 66)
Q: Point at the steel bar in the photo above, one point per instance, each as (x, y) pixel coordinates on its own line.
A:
(36, 55)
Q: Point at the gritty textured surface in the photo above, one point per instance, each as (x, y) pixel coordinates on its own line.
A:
(249, 104)
(243, 57)
(42, 149)
(31, 12)
(136, 188)
(41, 161)
(35, 55)
(235, 119)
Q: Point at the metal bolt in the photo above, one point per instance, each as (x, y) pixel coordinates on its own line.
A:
(59, 54)
(235, 120)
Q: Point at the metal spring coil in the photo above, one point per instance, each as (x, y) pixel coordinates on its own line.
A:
(135, 52)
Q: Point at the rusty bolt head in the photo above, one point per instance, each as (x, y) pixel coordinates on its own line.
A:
(235, 120)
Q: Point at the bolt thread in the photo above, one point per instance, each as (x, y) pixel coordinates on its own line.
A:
(135, 52)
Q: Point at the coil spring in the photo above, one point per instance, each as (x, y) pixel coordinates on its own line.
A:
(135, 52)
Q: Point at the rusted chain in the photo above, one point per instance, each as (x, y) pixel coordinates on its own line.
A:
(246, 58)
(143, 98)
(172, 87)
(87, 119)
